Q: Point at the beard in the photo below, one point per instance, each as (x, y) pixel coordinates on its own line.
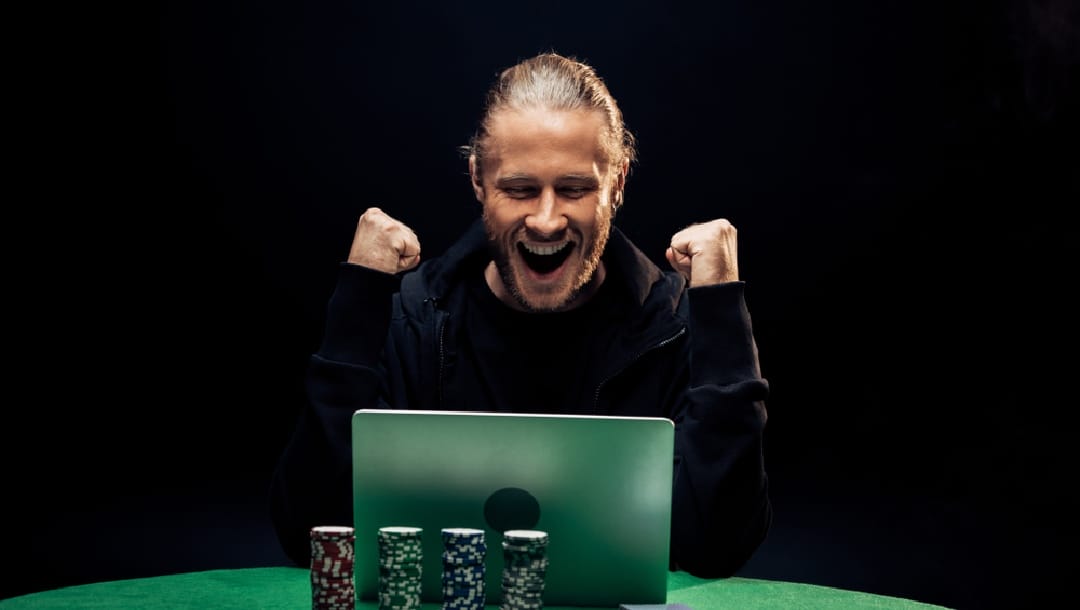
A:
(581, 265)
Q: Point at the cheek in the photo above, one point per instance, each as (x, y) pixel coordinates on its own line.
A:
(594, 215)
(501, 216)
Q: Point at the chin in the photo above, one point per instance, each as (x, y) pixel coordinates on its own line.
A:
(553, 298)
(544, 305)
(545, 301)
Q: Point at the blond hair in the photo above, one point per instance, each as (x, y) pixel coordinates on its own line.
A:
(554, 82)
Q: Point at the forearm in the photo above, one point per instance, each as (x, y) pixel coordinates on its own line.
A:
(311, 484)
(721, 508)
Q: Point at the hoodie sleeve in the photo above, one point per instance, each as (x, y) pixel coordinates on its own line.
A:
(311, 483)
(720, 510)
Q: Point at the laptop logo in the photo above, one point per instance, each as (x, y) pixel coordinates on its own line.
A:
(511, 508)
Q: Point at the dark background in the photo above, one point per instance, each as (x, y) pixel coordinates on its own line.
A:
(902, 175)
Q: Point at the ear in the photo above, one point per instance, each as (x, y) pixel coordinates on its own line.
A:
(620, 183)
(477, 184)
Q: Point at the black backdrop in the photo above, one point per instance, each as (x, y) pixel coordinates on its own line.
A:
(903, 177)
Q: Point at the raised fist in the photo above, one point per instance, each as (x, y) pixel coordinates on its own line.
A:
(383, 243)
(706, 253)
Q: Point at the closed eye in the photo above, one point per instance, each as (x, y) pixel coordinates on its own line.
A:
(575, 192)
(519, 192)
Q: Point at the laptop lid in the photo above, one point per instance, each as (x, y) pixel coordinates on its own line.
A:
(600, 486)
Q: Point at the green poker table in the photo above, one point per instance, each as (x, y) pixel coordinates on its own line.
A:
(287, 588)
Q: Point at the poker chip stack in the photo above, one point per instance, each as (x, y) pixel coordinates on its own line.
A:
(525, 566)
(332, 568)
(464, 552)
(400, 570)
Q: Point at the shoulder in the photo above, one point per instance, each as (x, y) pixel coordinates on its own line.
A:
(440, 278)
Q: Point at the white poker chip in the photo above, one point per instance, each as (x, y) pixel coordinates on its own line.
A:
(342, 530)
(523, 535)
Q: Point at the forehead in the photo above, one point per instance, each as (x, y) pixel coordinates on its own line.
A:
(540, 140)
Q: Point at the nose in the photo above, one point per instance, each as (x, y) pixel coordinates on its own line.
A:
(545, 219)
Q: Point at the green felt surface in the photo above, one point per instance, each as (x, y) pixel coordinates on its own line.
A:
(290, 588)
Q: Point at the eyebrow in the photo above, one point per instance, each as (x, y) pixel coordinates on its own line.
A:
(578, 178)
(510, 178)
(513, 178)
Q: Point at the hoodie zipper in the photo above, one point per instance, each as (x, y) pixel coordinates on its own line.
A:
(638, 356)
(440, 334)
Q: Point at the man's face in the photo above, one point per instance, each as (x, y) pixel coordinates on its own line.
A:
(546, 191)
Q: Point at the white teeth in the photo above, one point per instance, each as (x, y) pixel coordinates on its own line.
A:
(545, 250)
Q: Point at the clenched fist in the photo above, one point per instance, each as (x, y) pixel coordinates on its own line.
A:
(383, 243)
(706, 253)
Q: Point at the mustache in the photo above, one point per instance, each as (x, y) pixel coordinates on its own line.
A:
(527, 234)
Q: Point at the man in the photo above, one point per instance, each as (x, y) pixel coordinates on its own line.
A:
(542, 305)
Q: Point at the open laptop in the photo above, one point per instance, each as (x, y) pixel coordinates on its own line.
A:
(600, 486)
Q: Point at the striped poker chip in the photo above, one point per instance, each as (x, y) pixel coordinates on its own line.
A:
(333, 575)
(401, 589)
(525, 566)
(472, 572)
(332, 533)
(463, 557)
(462, 535)
(525, 561)
(331, 598)
(401, 555)
(406, 544)
(332, 549)
(398, 562)
(468, 578)
(525, 537)
(464, 575)
(466, 548)
(398, 599)
(327, 565)
(332, 564)
(391, 552)
(470, 559)
(322, 570)
(406, 571)
(461, 590)
(396, 532)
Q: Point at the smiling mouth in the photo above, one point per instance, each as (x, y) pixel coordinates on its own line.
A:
(545, 258)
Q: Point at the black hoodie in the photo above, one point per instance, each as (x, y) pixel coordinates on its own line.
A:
(687, 354)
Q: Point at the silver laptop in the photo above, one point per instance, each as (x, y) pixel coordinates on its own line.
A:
(600, 486)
